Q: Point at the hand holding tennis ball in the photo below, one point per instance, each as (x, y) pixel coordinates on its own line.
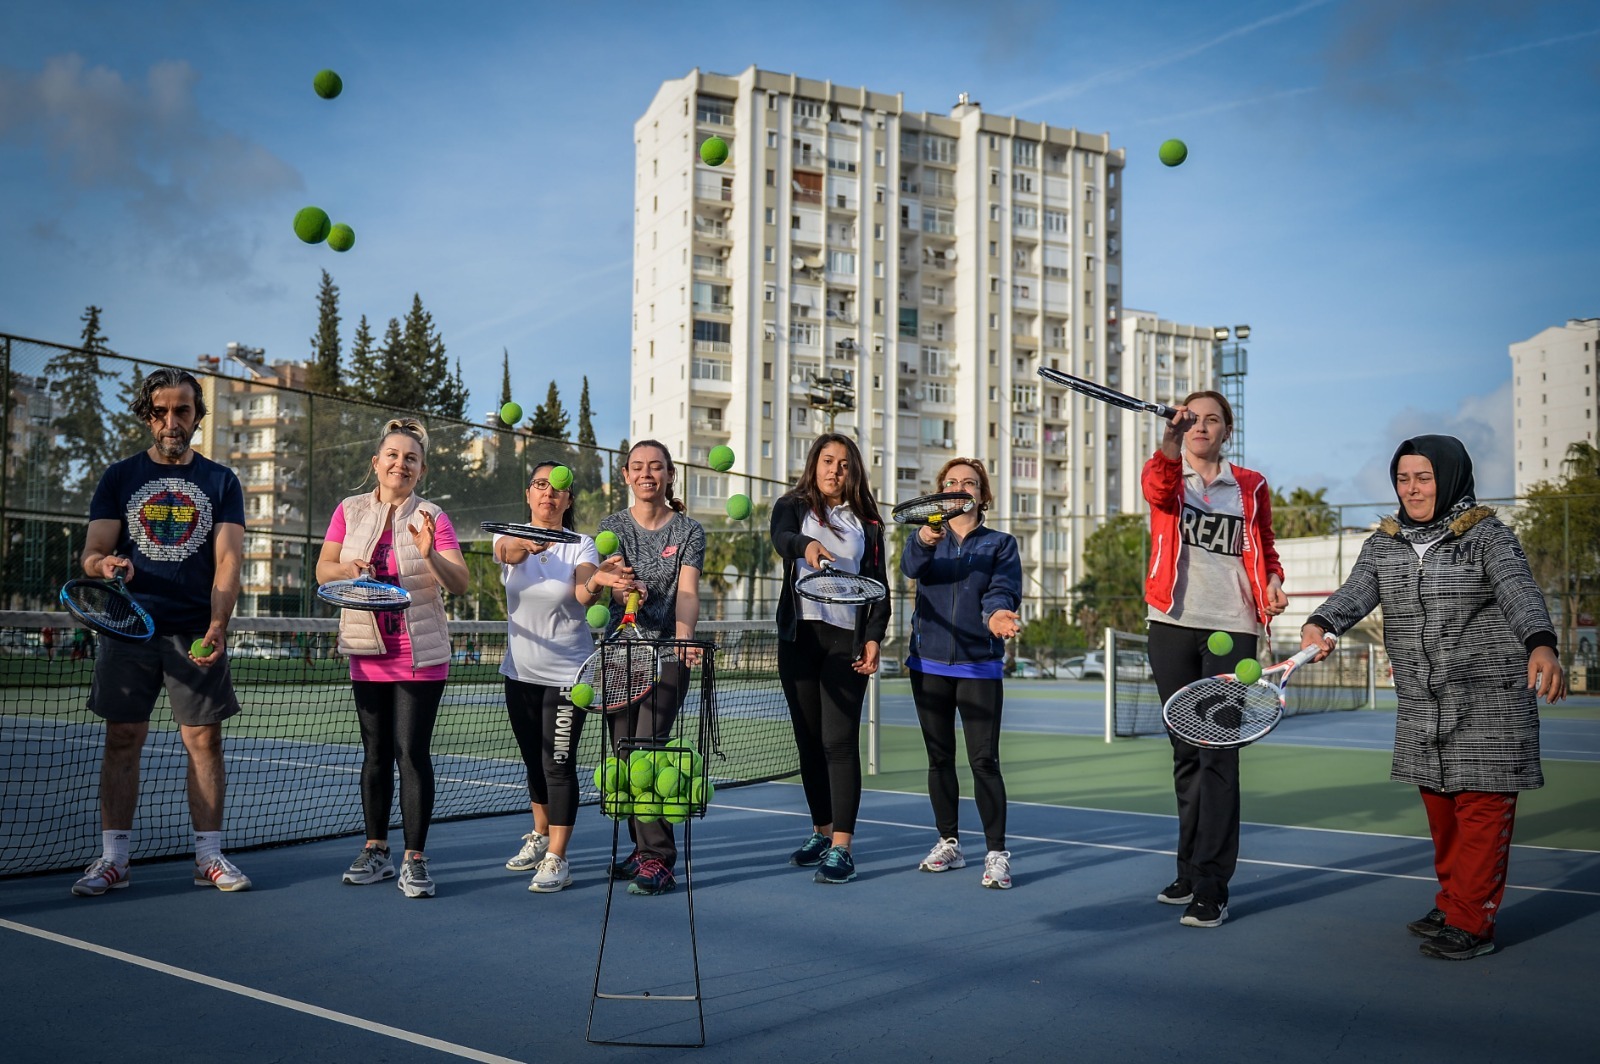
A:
(598, 616)
(200, 648)
(1248, 670)
(561, 478)
(510, 414)
(714, 151)
(1220, 643)
(739, 507)
(720, 458)
(607, 543)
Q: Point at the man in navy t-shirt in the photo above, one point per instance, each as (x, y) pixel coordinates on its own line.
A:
(171, 522)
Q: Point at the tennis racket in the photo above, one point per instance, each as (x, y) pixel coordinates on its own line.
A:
(831, 585)
(1223, 713)
(1106, 395)
(623, 670)
(106, 607)
(365, 593)
(530, 532)
(932, 509)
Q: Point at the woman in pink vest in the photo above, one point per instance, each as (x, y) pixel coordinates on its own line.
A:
(398, 661)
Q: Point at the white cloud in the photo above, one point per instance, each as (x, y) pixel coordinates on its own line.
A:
(1481, 422)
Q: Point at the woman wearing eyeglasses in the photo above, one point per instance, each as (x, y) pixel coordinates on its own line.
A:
(969, 584)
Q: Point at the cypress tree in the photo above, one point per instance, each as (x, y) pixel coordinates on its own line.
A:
(86, 445)
(326, 374)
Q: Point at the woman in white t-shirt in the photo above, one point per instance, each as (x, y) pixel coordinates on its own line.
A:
(549, 587)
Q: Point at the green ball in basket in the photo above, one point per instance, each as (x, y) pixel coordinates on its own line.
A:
(720, 458)
(617, 807)
(200, 648)
(647, 810)
(311, 224)
(641, 774)
(685, 759)
(668, 782)
(675, 812)
(701, 791)
(608, 776)
(606, 544)
(714, 151)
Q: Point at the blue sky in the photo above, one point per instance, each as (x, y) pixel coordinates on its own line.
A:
(1388, 193)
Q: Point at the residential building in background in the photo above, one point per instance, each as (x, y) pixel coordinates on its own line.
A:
(1163, 362)
(899, 275)
(1555, 397)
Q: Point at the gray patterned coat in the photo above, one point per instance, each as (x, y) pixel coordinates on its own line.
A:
(1456, 624)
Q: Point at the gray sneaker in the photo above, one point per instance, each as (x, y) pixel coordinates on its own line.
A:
(534, 847)
(99, 877)
(553, 875)
(372, 865)
(414, 879)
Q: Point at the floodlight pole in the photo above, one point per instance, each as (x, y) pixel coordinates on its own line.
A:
(1230, 362)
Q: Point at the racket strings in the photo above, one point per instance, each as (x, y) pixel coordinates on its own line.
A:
(1224, 711)
(104, 606)
(357, 594)
(842, 588)
(621, 673)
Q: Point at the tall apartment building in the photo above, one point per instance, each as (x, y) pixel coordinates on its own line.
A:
(1555, 397)
(925, 263)
(1161, 361)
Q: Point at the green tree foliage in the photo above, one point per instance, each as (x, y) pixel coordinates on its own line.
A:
(128, 433)
(587, 464)
(616, 482)
(1050, 638)
(365, 369)
(86, 446)
(505, 377)
(326, 373)
(550, 418)
(745, 549)
(1111, 592)
(1303, 513)
(1560, 532)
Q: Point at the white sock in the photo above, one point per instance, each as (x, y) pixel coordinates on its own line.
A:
(207, 844)
(115, 845)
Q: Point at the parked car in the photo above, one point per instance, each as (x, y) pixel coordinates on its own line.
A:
(1071, 668)
(1026, 669)
(888, 667)
(1131, 665)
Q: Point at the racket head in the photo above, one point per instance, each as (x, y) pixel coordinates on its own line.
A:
(1221, 713)
(839, 588)
(621, 672)
(106, 607)
(1104, 394)
(932, 509)
(365, 594)
(534, 533)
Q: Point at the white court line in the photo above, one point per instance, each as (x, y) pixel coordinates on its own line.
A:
(357, 1022)
(1173, 853)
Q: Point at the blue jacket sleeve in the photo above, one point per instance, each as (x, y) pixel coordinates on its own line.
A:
(1005, 585)
(916, 557)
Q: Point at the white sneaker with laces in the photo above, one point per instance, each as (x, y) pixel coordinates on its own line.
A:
(553, 875)
(945, 855)
(415, 882)
(99, 877)
(221, 873)
(370, 866)
(997, 870)
(534, 847)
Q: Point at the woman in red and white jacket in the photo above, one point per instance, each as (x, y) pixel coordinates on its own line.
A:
(1213, 568)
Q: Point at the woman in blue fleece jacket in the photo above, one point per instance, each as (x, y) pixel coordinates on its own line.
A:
(969, 583)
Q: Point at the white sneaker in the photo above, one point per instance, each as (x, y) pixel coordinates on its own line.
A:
(945, 855)
(534, 847)
(221, 873)
(997, 869)
(370, 866)
(553, 874)
(99, 877)
(414, 879)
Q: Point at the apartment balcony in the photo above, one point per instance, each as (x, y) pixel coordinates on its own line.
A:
(708, 192)
(1025, 443)
(713, 347)
(710, 267)
(263, 418)
(709, 426)
(908, 369)
(706, 229)
(712, 118)
(712, 307)
(1025, 340)
(711, 386)
(1055, 448)
(1024, 407)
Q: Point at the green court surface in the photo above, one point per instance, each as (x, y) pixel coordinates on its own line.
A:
(1346, 790)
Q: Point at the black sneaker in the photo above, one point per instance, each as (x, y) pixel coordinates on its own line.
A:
(810, 854)
(654, 878)
(836, 866)
(627, 868)
(1203, 912)
(1178, 892)
(1429, 926)
(1454, 944)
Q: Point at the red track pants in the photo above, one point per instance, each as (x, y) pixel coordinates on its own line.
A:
(1471, 845)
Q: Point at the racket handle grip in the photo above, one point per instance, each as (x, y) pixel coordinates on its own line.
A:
(632, 604)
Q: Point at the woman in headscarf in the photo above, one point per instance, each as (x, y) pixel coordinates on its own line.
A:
(1473, 648)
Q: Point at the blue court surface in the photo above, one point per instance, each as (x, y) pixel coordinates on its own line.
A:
(1076, 962)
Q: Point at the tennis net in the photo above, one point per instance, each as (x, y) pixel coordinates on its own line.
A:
(1344, 681)
(293, 753)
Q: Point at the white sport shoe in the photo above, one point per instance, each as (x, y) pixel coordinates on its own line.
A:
(370, 866)
(553, 874)
(945, 855)
(997, 869)
(99, 877)
(414, 879)
(534, 847)
(221, 873)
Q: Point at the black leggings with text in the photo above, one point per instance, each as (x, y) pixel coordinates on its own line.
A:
(397, 726)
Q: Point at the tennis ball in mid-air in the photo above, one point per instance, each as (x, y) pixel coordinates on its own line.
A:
(582, 695)
(668, 782)
(1248, 670)
(607, 543)
(328, 84)
(561, 478)
(720, 458)
(1173, 152)
(341, 237)
(200, 648)
(598, 616)
(311, 225)
(739, 506)
(1219, 643)
(510, 414)
(714, 151)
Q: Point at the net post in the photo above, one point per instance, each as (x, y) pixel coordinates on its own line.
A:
(872, 725)
(1372, 677)
(1111, 683)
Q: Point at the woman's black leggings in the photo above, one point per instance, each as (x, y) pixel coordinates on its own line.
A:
(397, 725)
(547, 727)
(938, 699)
(824, 695)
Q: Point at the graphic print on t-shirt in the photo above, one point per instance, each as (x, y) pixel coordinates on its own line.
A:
(1214, 533)
(169, 519)
(383, 569)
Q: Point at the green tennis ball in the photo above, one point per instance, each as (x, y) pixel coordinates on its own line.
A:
(647, 810)
(739, 506)
(311, 225)
(1173, 152)
(510, 414)
(597, 616)
(327, 84)
(700, 791)
(675, 812)
(608, 776)
(721, 458)
(668, 782)
(200, 648)
(616, 808)
(560, 478)
(341, 237)
(582, 695)
(607, 543)
(1219, 643)
(641, 776)
(1248, 670)
(714, 151)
